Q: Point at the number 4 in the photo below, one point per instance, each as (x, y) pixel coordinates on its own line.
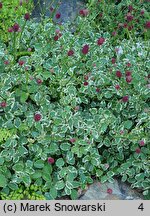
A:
(141, 207)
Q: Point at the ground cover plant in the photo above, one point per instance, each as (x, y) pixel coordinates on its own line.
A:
(74, 107)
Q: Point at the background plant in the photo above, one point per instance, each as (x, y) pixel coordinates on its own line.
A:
(10, 13)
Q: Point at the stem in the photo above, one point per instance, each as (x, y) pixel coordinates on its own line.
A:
(22, 33)
(14, 46)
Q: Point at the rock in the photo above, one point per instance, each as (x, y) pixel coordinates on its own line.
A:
(120, 191)
(68, 9)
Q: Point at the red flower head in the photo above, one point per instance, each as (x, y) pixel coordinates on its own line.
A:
(113, 60)
(10, 29)
(125, 99)
(84, 12)
(118, 74)
(1, 5)
(27, 16)
(39, 81)
(76, 108)
(3, 104)
(37, 117)
(20, 3)
(51, 9)
(114, 33)
(141, 142)
(21, 62)
(56, 38)
(130, 27)
(100, 41)
(142, 12)
(70, 53)
(117, 87)
(58, 15)
(125, 25)
(86, 77)
(97, 90)
(128, 73)
(72, 140)
(85, 49)
(15, 27)
(51, 160)
(129, 17)
(6, 62)
(147, 25)
(128, 79)
(128, 64)
(121, 132)
(57, 31)
(109, 191)
(130, 8)
(138, 150)
(85, 83)
(101, 14)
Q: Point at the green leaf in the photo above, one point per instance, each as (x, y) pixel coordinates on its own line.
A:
(140, 177)
(17, 122)
(59, 185)
(24, 97)
(110, 174)
(70, 158)
(99, 173)
(128, 124)
(68, 191)
(53, 192)
(103, 127)
(63, 172)
(124, 178)
(65, 146)
(19, 167)
(47, 168)
(26, 179)
(39, 164)
(39, 182)
(3, 181)
(71, 176)
(13, 186)
(22, 150)
(46, 177)
(75, 184)
(60, 162)
(104, 179)
(1, 161)
(74, 194)
(36, 175)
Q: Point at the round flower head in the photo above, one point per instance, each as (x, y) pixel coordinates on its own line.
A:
(141, 143)
(50, 160)
(15, 27)
(85, 49)
(109, 191)
(84, 12)
(72, 140)
(58, 15)
(3, 104)
(70, 53)
(1, 5)
(125, 99)
(27, 16)
(118, 74)
(100, 41)
(37, 117)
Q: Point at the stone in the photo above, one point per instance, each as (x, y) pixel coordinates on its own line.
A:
(68, 9)
(120, 191)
